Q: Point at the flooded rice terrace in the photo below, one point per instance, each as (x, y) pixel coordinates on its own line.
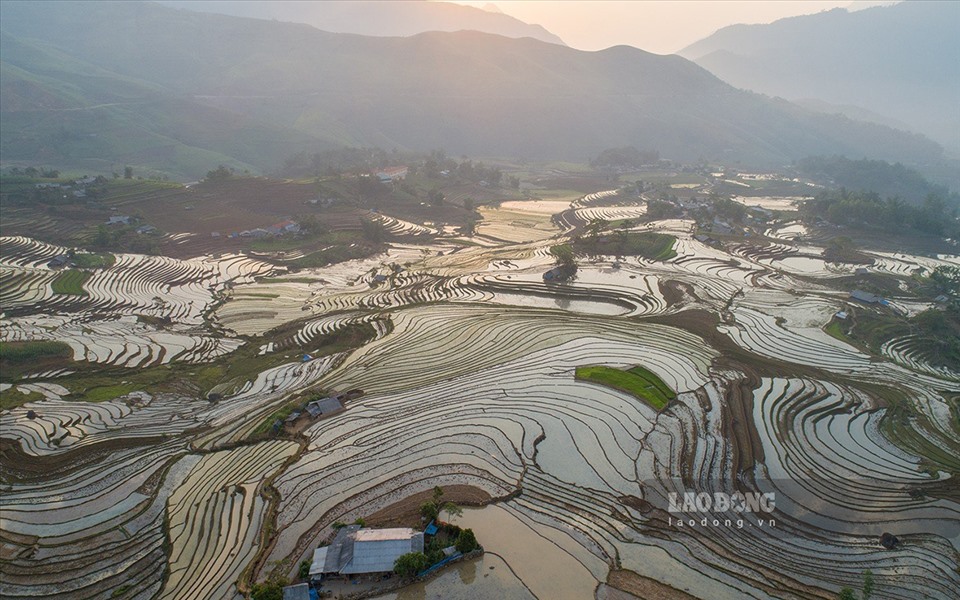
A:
(576, 405)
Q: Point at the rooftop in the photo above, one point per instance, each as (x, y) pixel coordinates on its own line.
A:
(380, 535)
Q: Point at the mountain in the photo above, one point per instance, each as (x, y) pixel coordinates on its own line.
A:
(397, 18)
(900, 61)
(174, 90)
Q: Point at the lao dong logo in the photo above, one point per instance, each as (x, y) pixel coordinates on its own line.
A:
(743, 505)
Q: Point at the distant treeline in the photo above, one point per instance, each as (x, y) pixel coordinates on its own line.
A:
(867, 209)
(628, 156)
(891, 180)
(332, 163)
(329, 163)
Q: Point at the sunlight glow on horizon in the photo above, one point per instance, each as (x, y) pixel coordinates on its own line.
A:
(661, 27)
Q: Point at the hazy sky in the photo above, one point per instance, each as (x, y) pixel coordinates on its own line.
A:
(662, 27)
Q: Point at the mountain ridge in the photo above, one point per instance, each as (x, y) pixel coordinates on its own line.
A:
(468, 92)
(397, 18)
(897, 61)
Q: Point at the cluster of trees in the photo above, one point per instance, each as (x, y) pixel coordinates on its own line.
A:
(219, 174)
(465, 170)
(873, 175)
(34, 173)
(628, 156)
(867, 209)
(661, 209)
(333, 163)
(432, 509)
(408, 565)
(124, 239)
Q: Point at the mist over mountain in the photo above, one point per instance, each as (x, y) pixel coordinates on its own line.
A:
(181, 91)
(900, 61)
(382, 19)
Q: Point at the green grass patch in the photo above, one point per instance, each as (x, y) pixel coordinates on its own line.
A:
(25, 352)
(638, 382)
(649, 245)
(835, 329)
(19, 358)
(12, 398)
(109, 392)
(94, 261)
(71, 282)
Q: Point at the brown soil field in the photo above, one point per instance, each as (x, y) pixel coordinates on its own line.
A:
(406, 512)
(644, 587)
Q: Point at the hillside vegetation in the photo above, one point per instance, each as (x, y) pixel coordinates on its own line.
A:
(95, 84)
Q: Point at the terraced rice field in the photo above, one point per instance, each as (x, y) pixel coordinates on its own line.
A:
(469, 369)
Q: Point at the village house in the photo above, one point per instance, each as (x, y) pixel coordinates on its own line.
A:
(358, 551)
(865, 297)
(323, 407)
(58, 261)
(301, 591)
(119, 220)
(392, 174)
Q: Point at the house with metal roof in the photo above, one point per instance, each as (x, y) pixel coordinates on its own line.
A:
(865, 297)
(358, 551)
(325, 406)
(301, 591)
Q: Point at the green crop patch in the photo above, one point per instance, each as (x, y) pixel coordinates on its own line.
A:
(71, 283)
(94, 260)
(638, 382)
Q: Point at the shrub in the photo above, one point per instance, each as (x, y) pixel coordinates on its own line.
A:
(466, 541)
(411, 563)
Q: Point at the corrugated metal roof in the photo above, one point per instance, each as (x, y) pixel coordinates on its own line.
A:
(355, 550)
(319, 561)
(379, 555)
(301, 591)
(382, 535)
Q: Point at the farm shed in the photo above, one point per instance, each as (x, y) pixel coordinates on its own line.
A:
(865, 297)
(323, 407)
(356, 551)
(301, 591)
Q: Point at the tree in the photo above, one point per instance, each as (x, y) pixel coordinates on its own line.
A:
(374, 231)
(411, 563)
(435, 197)
(846, 594)
(466, 541)
(360, 521)
(451, 509)
(271, 589)
(304, 571)
(468, 204)
(128, 172)
(469, 228)
(429, 510)
(597, 226)
(220, 173)
(867, 584)
(563, 255)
